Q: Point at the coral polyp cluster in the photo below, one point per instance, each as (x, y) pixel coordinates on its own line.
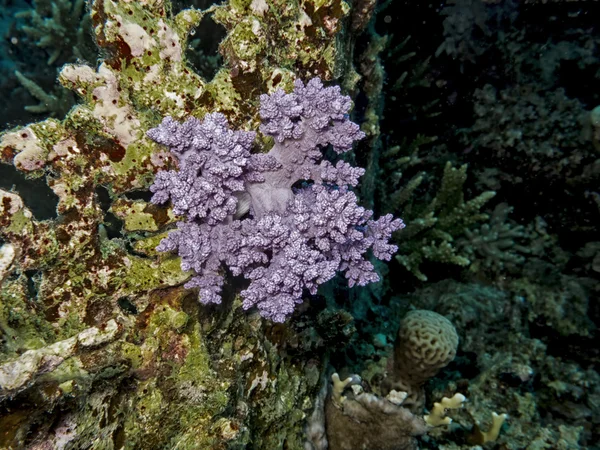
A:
(246, 210)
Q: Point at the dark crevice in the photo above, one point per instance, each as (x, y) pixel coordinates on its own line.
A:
(127, 305)
(103, 198)
(138, 195)
(202, 52)
(113, 226)
(33, 278)
(36, 194)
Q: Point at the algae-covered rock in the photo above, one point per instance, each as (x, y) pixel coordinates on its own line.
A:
(101, 346)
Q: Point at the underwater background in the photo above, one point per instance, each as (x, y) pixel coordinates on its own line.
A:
(479, 128)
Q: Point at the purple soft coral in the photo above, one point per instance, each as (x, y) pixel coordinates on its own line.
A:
(212, 162)
(289, 239)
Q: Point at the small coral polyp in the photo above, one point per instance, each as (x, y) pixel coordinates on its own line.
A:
(242, 209)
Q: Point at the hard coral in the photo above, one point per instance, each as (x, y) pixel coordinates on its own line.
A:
(244, 210)
(426, 343)
(356, 419)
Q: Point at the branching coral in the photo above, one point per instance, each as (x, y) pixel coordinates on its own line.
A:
(61, 27)
(432, 230)
(497, 245)
(63, 30)
(437, 222)
(296, 237)
(55, 104)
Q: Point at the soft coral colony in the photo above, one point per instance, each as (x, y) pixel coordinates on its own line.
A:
(250, 212)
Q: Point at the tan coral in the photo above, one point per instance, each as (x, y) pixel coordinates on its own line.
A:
(426, 343)
(361, 420)
(437, 417)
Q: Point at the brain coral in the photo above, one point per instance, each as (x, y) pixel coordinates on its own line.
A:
(426, 343)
